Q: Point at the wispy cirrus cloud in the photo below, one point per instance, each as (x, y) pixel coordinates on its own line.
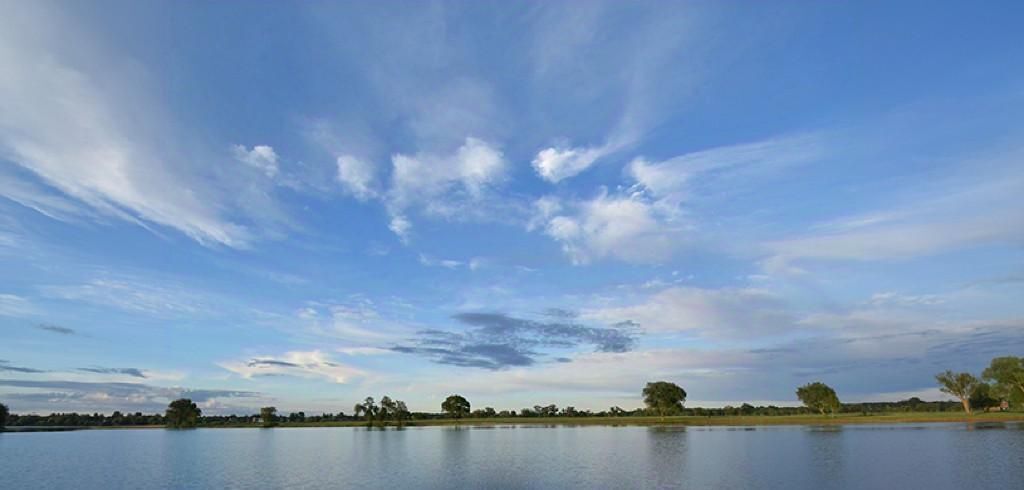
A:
(14, 305)
(569, 44)
(970, 210)
(722, 313)
(648, 222)
(86, 123)
(310, 364)
(130, 294)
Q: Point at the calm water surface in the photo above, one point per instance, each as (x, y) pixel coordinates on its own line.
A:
(934, 456)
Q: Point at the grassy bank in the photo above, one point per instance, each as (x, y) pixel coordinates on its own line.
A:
(753, 420)
(689, 421)
(910, 417)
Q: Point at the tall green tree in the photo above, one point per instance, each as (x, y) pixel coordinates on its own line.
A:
(4, 413)
(388, 409)
(960, 385)
(367, 409)
(268, 416)
(664, 398)
(182, 414)
(455, 406)
(401, 413)
(1007, 373)
(818, 396)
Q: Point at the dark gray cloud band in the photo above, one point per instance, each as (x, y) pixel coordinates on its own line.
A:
(134, 372)
(497, 340)
(56, 329)
(6, 366)
(88, 396)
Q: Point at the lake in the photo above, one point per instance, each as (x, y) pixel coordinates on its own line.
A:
(934, 456)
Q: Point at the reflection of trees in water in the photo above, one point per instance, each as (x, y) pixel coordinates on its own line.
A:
(666, 455)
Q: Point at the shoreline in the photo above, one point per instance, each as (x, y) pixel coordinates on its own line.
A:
(673, 421)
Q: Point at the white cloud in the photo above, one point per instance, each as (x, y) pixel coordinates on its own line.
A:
(311, 364)
(356, 176)
(14, 306)
(648, 222)
(355, 322)
(41, 200)
(429, 261)
(715, 313)
(365, 351)
(401, 226)
(968, 211)
(82, 120)
(443, 185)
(890, 298)
(622, 227)
(132, 295)
(673, 180)
(555, 164)
(261, 157)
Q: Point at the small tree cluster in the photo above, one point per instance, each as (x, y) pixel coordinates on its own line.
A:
(1002, 380)
(388, 410)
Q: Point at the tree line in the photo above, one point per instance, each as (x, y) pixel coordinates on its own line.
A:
(1000, 384)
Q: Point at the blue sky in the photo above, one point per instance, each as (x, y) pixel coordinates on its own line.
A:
(525, 203)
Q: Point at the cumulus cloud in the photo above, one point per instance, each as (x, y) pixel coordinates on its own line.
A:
(260, 157)
(445, 185)
(623, 227)
(357, 176)
(498, 341)
(311, 364)
(556, 164)
(648, 221)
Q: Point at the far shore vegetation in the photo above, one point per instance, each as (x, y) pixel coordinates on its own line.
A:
(997, 395)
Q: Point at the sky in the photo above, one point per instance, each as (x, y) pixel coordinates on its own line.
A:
(304, 204)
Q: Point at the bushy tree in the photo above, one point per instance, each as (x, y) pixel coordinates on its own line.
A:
(4, 412)
(1007, 374)
(664, 398)
(182, 414)
(818, 396)
(367, 409)
(960, 385)
(268, 416)
(401, 413)
(455, 406)
(983, 397)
